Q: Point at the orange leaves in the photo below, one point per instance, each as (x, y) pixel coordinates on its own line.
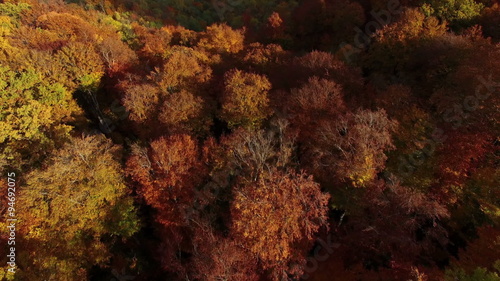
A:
(167, 174)
(276, 214)
(275, 28)
(245, 101)
(142, 101)
(395, 43)
(68, 26)
(154, 41)
(173, 159)
(183, 68)
(219, 258)
(116, 54)
(263, 56)
(172, 99)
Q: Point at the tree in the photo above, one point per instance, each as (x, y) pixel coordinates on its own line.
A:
(351, 148)
(254, 152)
(480, 274)
(387, 225)
(314, 21)
(490, 19)
(78, 66)
(173, 99)
(166, 174)
(184, 68)
(68, 26)
(116, 54)
(69, 206)
(220, 258)
(482, 251)
(461, 154)
(154, 42)
(180, 108)
(34, 118)
(245, 101)
(263, 56)
(460, 13)
(275, 28)
(317, 100)
(222, 39)
(277, 217)
(395, 43)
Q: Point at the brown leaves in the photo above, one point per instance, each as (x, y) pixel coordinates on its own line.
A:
(316, 100)
(352, 147)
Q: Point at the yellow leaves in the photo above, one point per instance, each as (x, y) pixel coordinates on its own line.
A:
(29, 109)
(80, 66)
(183, 67)
(13, 10)
(67, 25)
(141, 100)
(81, 177)
(245, 100)
(67, 206)
(364, 173)
(414, 25)
(220, 38)
(6, 26)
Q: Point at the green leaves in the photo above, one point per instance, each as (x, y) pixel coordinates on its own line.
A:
(460, 13)
(34, 115)
(479, 274)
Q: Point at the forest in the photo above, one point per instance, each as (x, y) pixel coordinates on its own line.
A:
(250, 140)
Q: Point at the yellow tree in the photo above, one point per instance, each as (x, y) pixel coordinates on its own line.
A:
(245, 101)
(34, 115)
(220, 38)
(65, 209)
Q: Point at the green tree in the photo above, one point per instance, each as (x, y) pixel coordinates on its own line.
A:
(480, 274)
(34, 116)
(459, 13)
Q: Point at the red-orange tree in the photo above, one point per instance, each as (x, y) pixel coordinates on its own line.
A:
(167, 173)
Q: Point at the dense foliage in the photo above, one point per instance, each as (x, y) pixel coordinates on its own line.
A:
(251, 140)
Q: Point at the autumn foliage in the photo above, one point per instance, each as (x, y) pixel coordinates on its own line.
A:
(250, 140)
